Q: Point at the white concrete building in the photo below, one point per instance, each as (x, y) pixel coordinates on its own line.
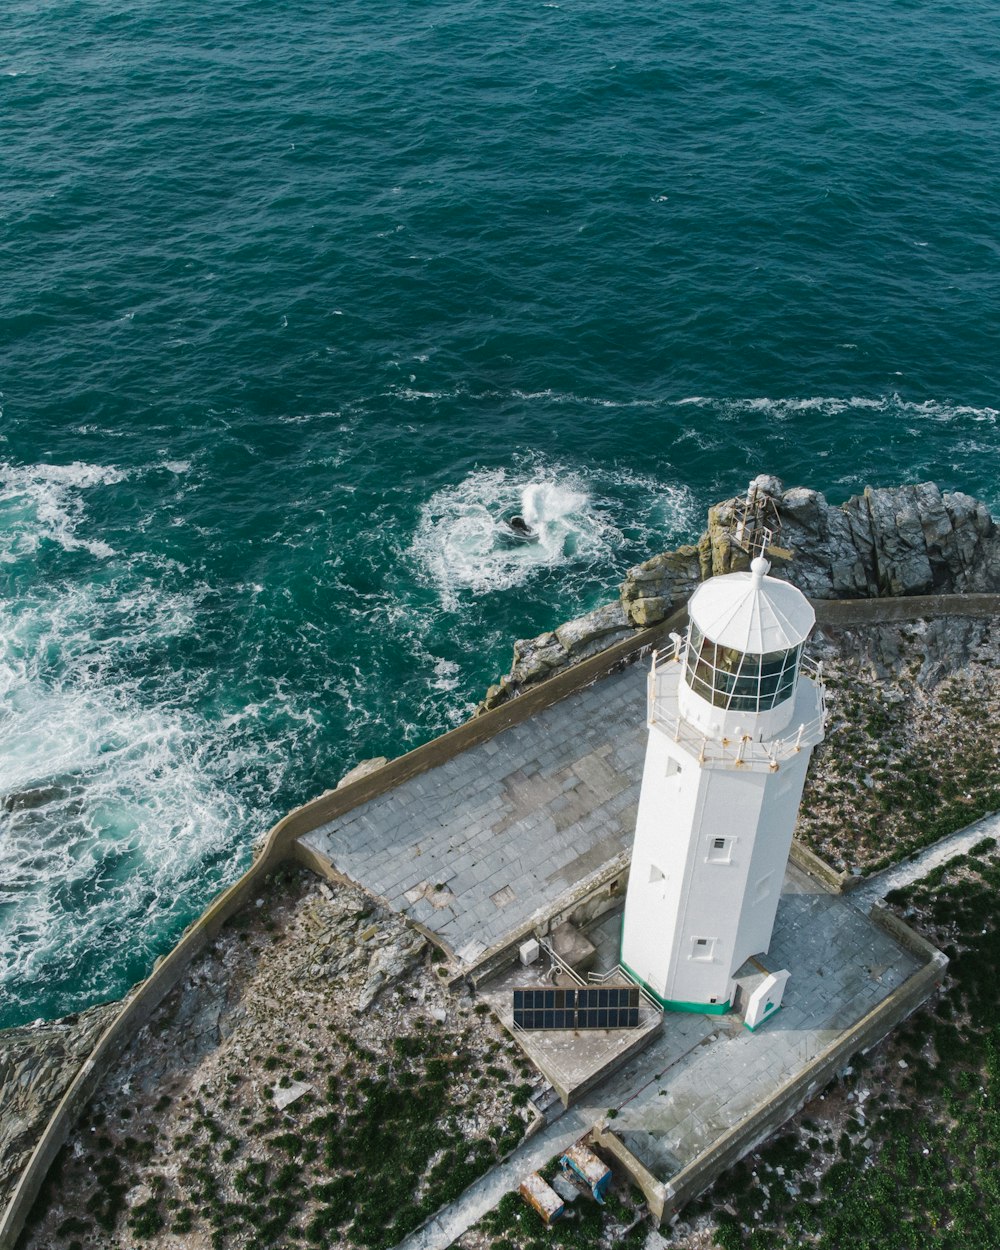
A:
(733, 718)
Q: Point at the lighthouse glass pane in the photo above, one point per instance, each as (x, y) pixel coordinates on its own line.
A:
(736, 680)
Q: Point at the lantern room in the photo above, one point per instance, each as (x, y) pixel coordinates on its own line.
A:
(742, 654)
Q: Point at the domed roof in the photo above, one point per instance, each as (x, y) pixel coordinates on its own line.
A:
(752, 612)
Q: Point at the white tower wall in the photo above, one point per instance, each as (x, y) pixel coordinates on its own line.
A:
(720, 794)
(772, 841)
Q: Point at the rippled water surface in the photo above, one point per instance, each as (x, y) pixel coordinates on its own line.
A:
(301, 301)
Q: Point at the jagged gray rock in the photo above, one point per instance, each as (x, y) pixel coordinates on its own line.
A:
(576, 640)
(887, 541)
(37, 1064)
(902, 540)
(388, 964)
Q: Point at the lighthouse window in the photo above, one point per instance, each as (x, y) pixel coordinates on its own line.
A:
(703, 948)
(720, 850)
(737, 680)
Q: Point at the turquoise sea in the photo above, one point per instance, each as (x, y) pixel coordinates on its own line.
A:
(300, 300)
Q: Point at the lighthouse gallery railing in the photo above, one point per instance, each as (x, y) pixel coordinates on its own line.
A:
(737, 752)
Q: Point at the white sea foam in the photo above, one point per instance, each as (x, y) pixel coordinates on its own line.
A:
(835, 405)
(116, 794)
(446, 675)
(463, 541)
(45, 502)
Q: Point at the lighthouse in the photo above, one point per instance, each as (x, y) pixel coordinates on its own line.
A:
(734, 712)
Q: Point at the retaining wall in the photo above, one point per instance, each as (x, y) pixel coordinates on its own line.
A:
(829, 878)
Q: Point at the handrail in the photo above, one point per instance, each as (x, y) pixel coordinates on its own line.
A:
(745, 752)
(560, 963)
(601, 978)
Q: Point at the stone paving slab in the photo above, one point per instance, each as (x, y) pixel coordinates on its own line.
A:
(508, 826)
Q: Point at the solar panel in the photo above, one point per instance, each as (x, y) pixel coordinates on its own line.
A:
(606, 1007)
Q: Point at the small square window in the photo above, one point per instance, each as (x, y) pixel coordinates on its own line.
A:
(720, 850)
(703, 948)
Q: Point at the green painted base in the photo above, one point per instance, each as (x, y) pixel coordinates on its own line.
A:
(673, 1004)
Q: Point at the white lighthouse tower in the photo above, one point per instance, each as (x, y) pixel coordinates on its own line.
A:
(733, 718)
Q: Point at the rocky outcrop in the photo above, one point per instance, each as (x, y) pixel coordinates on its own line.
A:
(536, 658)
(358, 945)
(652, 588)
(364, 769)
(388, 965)
(37, 1064)
(904, 540)
(901, 540)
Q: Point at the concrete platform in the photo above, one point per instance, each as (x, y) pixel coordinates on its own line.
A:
(842, 966)
(573, 1062)
(512, 830)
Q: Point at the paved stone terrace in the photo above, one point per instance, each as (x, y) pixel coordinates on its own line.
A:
(842, 965)
(477, 847)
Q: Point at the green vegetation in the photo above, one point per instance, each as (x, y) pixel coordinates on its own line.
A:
(363, 1166)
(918, 1161)
(899, 770)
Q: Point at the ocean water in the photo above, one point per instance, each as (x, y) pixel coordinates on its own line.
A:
(300, 301)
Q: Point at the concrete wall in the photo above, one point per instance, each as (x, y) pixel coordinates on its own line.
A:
(810, 863)
(600, 893)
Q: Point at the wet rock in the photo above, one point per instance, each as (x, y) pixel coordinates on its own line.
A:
(28, 800)
(364, 769)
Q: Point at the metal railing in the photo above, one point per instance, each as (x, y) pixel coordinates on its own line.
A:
(601, 978)
(560, 963)
(742, 752)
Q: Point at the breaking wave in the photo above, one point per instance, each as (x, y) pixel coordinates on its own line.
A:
(465, 543)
